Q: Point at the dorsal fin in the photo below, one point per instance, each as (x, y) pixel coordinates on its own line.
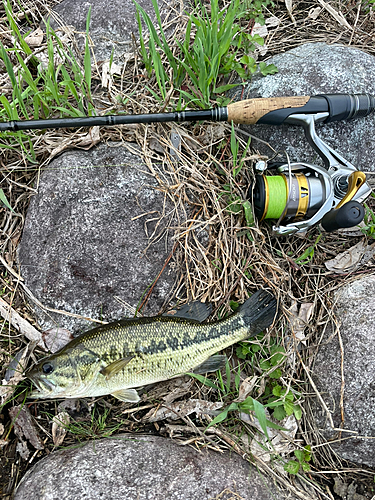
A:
(197, 311)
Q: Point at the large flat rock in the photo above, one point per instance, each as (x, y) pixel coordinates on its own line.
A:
(144, 468)
(85, 235)
(355, 311)
(311, 69)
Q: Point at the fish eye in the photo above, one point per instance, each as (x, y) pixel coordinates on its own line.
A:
(47, 368)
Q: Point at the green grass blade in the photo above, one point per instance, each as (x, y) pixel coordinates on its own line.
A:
(15, 30)
(204, 380)
(87, 57)
(260, 413)
(5, 202)
(13, 79)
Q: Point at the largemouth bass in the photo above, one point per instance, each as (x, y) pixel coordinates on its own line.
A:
(127, 354)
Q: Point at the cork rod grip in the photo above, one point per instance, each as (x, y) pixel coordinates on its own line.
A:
(250, 111)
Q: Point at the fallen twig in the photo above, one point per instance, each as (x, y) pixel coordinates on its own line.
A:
(21, 324)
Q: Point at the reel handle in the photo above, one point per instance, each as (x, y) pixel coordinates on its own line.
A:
(348, 215)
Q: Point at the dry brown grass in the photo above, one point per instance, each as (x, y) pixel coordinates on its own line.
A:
(218, 258)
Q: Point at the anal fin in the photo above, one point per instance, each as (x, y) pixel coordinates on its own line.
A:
(127, 395)
(211, 364)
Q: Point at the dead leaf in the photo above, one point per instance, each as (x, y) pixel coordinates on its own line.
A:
(59, 430)
(56, 338)
(245, 388)
(57, 144)
(260, 29)
(44, 58)
(155, 145)
(20, 324)
(272, 22)
(299, 319)
(35, 39)
(213, 133)
(129, 131)
(72, 405)
(175, 143)
(314, 13)
(180, 390)
(3, 442)
(169, 390)
(354, 231)
(90, 139)
(22, 449)
(108, 70)
(24, 426)
(352, 259)
(280, 442)
(180, 409)
(13, 375)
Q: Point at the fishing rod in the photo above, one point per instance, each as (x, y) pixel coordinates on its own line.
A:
(301, 194)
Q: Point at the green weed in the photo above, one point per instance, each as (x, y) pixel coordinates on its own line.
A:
(219, 47)
(250, 404)
(60, 87)
(281, 401)
(4, 201)
(308, 254)
(303, 457)
(255, 9)
(369, 221)
(96, 427)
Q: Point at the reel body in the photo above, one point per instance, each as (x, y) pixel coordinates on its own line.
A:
(303, 195)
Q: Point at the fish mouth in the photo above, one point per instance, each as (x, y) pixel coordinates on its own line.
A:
(45, 388)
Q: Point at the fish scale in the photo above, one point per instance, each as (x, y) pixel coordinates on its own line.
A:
(121, 356)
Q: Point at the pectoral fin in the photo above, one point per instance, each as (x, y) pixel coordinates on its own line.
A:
(211, 364)
(115, 367)
(127, 395)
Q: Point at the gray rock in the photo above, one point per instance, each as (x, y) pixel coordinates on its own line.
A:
(84, 237)
(111, 24)
(355, 310)
(312, 69)
(140, 468)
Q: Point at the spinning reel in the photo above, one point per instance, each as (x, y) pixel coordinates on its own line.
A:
(304, 195)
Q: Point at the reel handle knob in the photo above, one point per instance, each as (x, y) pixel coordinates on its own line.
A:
(348, 215)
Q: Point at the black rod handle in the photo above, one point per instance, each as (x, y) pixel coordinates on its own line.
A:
(338, 107)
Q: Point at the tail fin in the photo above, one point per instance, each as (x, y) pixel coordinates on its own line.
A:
(259, 311)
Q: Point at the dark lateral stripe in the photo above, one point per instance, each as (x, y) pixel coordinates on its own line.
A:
(173, 338)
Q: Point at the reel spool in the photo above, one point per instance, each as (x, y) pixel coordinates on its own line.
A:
(304, 195)
(283, 197)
